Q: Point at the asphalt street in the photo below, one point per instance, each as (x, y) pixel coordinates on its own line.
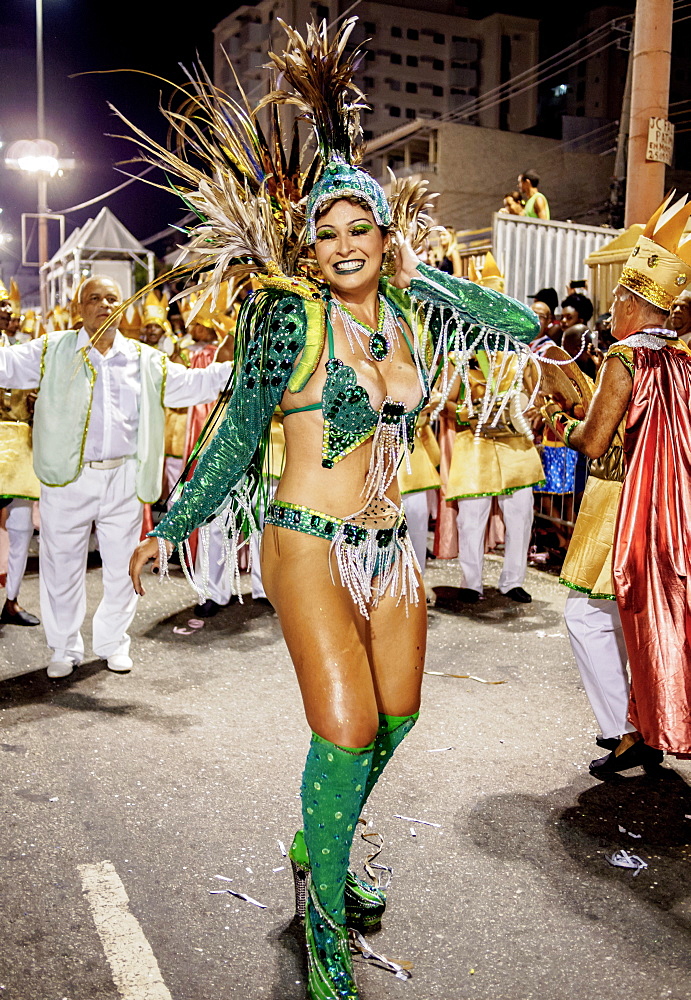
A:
(189, 768)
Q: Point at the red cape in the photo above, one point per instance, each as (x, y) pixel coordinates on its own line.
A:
(652, 549)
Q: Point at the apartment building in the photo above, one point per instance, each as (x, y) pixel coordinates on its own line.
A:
(423, 61)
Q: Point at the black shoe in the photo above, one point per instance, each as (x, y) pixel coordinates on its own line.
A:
(639, 754)
(467, 595)
(519, 595)
(208, 609)
(610, 743)
(18, 617)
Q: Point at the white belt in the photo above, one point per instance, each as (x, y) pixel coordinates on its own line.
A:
(109, 463)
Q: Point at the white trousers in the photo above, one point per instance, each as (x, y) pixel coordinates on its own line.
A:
(517, 511)
(270, 485)
(417, 519)
(219, 583)
(20, 530)
(597, 642)
(106, 498)
(172, 470)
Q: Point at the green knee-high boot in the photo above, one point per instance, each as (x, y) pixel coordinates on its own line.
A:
(392, 731)
(333, 785)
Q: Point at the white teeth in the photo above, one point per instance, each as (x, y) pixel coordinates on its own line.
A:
(349, 265)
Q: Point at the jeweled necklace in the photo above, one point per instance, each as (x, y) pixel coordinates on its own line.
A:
(380, 341)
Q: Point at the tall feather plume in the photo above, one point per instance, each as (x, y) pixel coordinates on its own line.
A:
(316, 77)
(238, 182)
(410, 205)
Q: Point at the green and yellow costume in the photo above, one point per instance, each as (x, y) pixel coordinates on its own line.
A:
(252, 201)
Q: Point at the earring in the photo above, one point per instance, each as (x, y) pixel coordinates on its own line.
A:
(388, 264)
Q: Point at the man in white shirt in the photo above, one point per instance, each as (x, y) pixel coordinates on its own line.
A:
(98, 451)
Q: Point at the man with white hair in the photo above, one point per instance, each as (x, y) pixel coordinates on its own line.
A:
(630, 556)
(98, 445)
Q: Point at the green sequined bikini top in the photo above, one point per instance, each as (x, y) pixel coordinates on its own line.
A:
(349, 417)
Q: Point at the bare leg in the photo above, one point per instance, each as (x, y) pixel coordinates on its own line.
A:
(349, 670)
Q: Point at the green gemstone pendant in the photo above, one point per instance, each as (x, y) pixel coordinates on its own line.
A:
(378, 346)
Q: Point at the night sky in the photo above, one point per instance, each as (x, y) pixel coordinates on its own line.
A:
(82, 35)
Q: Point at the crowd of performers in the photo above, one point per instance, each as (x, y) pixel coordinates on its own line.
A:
(341, 392)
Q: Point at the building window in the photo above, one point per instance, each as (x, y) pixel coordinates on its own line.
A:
(369, 111)
(396, 32)
(437, 91)
(394, 84)
(370, 27)
(411, 88)
(410, 113)
(323, 13)
(370, 56)
(395, 59)
(368, 134)
(394, 111)
(437, 64)
(409, 60)
(439, 39)
(368, 81)
(413, 34)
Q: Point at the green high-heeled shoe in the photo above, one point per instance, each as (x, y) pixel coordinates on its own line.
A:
(329, 963)
(364, 903)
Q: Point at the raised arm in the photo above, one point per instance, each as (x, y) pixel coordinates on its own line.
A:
(475, 304)
(189, 386)
(20, 365)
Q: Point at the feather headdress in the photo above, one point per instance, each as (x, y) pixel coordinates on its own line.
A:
(410, 204)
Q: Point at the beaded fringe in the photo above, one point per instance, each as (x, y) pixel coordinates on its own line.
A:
(237, 525)
(394, 564)
(389, 445)
(457, 344)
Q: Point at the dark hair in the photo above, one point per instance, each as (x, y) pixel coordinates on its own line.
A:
(530, 175)
(549, 297)
(582, 305)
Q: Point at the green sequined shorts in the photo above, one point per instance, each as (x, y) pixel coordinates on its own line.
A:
(313, 522)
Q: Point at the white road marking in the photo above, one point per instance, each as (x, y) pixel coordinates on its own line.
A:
(135, 970)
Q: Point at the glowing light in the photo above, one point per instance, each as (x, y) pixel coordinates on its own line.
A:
(35, 156)
(38, 164)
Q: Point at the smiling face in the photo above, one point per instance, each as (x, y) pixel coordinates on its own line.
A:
(349, 248)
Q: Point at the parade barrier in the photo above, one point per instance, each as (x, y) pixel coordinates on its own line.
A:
(535, 254)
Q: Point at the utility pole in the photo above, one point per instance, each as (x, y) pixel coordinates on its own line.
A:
(651, 59)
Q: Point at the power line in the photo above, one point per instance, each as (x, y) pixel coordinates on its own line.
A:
(538, 69)
(516, 93)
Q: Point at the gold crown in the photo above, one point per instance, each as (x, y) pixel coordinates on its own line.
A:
(659, 266)
(155, 310)
(130, 324)
(58, 318)
(29, 323)
(216, 320)
(15, 298)
(490, 276)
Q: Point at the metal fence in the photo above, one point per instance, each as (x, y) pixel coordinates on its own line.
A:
(534, 254)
